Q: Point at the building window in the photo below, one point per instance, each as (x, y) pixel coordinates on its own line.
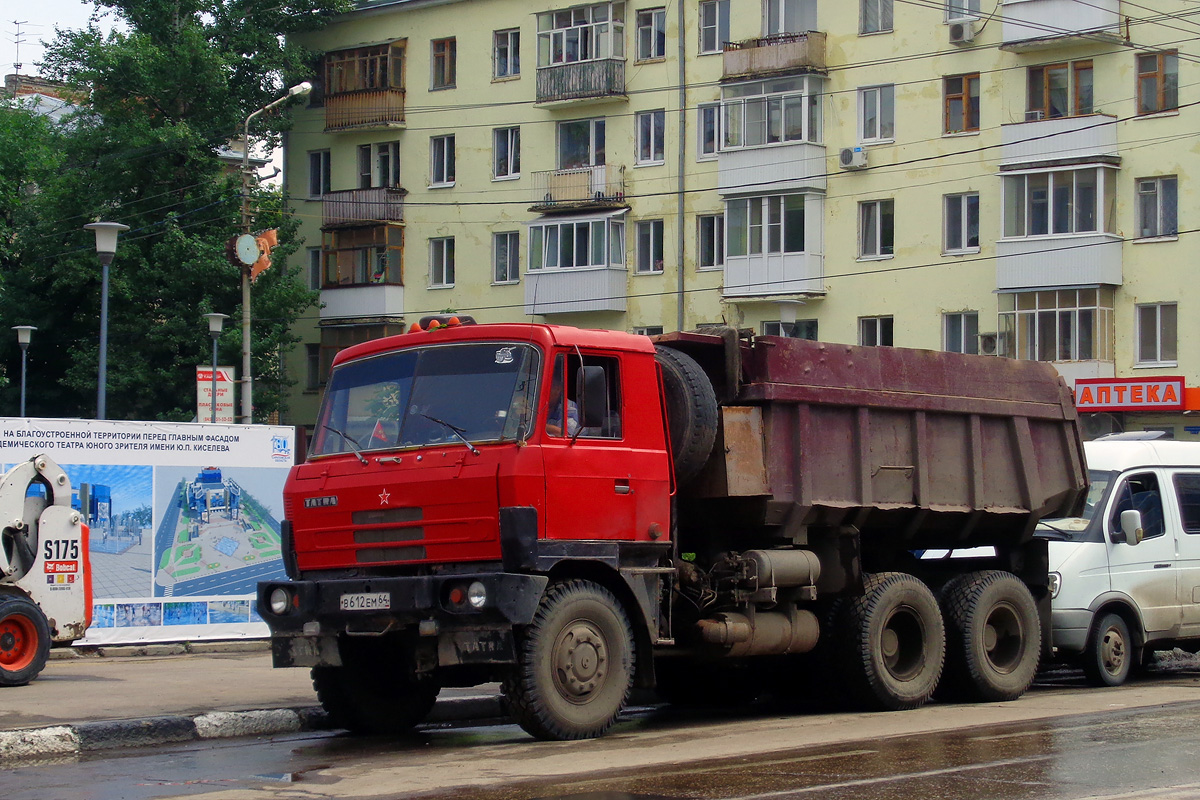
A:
(1157, 82)
(875, 331)
(441, 153)
(875, 16)
(876, 229)
(505, 257)
(772, 224)
(1061, 202)
(714, 25)
(876, 114)
(577, 243)
(314, 268)
(1158, 202)
(581, 143)
(379, 67)
(711, 241)
(362, 256)
(961, 9)
(1058, 325)
(759, 113)
(650, 246)
(379, 165)
(800, 329)
(506, 153)
(651, 34)
(318, 173)
(582, 33)
(1157, 333)
(962, 103)
(648, 330)
(312, 367)
(709, 121)
(506, 54)
(789, 16)
(445, 56)
(650, 136)
(962, 223)
(441, 262)
(960, 332)
(1059, 90)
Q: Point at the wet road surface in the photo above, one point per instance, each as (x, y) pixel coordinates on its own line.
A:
(1116, 751)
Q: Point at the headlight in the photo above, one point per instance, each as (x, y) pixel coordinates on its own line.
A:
(280, 601)
(476, 595)
(1055, 584)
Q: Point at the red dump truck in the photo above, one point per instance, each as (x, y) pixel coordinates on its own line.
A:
(575, 513)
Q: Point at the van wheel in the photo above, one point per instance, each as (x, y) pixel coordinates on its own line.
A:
(24, 640)
(1110, 652)
(574, 664)
(993, 637)
(892, 642)
(691, 411)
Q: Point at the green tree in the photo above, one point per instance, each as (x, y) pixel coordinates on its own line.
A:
(165, 97)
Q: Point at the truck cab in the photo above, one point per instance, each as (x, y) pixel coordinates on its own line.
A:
(1125, 576)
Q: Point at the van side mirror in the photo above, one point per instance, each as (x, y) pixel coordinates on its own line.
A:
(591, 393)
(1131, 526)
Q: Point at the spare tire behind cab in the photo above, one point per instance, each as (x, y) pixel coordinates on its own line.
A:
(691, 411)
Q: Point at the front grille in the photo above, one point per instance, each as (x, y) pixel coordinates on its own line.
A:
(385, 535)
(383, 516)
(378, 555)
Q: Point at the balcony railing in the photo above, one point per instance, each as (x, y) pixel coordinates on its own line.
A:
(581, 80)
(1060, 139)
(364, 109)
(1035, 24)
(560, 189)
(363, 207)
(776, 54)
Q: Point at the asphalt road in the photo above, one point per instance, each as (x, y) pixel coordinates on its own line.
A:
(1059, 741)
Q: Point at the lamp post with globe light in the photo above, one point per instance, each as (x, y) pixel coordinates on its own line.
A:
(106, 248)
(215, 323)
(24, 334)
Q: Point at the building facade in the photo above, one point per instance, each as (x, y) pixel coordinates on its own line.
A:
(1007, 181)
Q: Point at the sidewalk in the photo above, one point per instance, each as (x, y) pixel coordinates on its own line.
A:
(154, 694)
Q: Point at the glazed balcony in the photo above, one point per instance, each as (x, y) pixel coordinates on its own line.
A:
(1031, 25)
(778, 54)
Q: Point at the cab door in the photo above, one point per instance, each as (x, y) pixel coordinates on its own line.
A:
(1148, 572)
(1186, 491)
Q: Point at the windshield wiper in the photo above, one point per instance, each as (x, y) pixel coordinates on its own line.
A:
(353, 444)
(1060, 535)
(457, 431)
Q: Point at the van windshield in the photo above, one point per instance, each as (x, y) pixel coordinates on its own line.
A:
(1077, 528)
(434, 395)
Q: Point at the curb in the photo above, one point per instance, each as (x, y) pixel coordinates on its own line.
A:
(88, 737)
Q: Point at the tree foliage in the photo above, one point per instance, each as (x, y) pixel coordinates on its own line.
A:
(166, 96)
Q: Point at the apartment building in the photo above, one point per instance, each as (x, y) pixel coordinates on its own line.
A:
(1007, 180)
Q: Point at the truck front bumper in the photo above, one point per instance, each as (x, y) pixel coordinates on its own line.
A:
(306, 618)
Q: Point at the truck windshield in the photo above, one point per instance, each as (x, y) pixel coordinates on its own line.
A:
(1077, 529)
(432, 395)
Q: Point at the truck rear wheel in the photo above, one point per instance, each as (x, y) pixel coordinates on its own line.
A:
(371, 698)
(24, 640)
(891, 642)
(1109, 656)
(993, 637)
(575, 664)
(691, 411)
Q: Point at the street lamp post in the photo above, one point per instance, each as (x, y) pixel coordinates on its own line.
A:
(215, 323)
(106, 248)
(24, 333)
(298, 90)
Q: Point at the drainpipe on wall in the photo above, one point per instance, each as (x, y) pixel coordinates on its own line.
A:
(681, 163)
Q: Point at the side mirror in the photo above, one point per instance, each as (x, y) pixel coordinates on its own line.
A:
(1131, 526)
(591, 393)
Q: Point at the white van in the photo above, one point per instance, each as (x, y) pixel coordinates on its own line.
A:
(1125, 578)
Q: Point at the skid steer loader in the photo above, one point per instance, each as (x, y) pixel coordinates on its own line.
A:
(45, 577)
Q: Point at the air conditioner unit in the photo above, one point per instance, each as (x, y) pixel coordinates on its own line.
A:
(852, 158)
(962, 32)
(991, 344)
(1035, 115)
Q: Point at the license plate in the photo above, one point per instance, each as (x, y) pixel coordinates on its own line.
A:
(366, 601)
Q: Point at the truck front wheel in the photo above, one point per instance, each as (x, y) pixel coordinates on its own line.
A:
(373, 698)
(1109, 656)
(993, 637)
(892, 642)
(575, 664)
(24, 640)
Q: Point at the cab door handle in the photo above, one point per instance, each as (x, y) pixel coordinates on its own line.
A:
(622, 487)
